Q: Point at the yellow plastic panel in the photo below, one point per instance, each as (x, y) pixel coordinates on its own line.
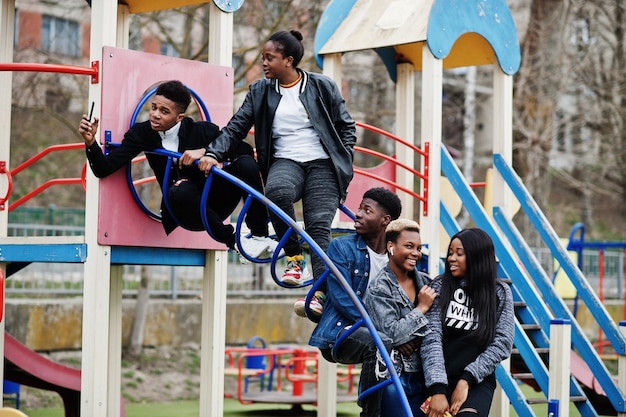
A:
(11, 412)
(469, 50)
(488, 201)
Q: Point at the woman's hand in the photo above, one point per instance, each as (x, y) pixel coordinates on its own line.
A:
(438, 406)
(190, 156)
(88, 129)
(425, 298)
(206, 163)
(459, 396)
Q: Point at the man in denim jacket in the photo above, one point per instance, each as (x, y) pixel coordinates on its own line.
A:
(357, 256)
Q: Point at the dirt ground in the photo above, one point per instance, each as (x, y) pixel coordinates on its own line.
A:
(161, 375)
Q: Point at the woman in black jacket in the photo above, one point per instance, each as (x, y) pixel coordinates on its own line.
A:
(304, 140)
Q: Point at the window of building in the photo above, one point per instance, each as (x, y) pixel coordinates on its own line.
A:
(238, 66)
(60, 36)
(16, 27)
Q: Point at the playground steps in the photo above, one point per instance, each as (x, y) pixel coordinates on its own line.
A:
(534, 401)
(536, 301)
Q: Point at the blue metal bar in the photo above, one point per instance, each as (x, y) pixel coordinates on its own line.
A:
(548, 235)
(139, 255)
(576, 244)
(556, 303)
(507, 262)
(515, 395)
(64, 253)
(295, 227)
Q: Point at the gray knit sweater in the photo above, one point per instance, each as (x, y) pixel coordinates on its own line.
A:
(485, 363)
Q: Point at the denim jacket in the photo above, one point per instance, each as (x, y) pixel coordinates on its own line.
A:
(325, 107)
(350, 256)
(392, 310)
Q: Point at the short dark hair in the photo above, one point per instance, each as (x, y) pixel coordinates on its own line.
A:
(398, 226)
(289, 43)
(386, 199)
(177, 92)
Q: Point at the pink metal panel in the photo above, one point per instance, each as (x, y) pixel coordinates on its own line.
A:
(126, 76)
(360, 184)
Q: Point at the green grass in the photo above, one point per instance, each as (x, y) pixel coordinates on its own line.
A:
(232, 408)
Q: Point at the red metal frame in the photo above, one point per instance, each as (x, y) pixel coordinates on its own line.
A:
(57, 181)
(93, 71)
(394, 137)
(4, 170)
(292, 361)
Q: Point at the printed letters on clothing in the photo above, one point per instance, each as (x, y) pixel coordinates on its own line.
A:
(459, 315)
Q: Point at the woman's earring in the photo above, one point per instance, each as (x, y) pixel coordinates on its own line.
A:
(391, 250)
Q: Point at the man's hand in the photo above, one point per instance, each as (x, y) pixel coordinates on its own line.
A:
(206, 163)
(88, 129)
(190, 156)
(407, 349)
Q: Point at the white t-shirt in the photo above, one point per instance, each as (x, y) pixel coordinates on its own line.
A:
(377, 262)
(169, 138)
(294, 135)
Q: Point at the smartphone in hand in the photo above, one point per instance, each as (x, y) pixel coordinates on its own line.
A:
(93, 103)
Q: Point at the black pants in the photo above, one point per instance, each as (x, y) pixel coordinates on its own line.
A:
(479, 397)
(360, 347)
(224, 196)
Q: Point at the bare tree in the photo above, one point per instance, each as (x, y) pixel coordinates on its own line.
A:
(537, 89)
(599, 48)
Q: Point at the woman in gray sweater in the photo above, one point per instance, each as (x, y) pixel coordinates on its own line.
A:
(472, 323)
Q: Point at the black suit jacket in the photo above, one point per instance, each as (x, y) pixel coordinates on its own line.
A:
(141, 138)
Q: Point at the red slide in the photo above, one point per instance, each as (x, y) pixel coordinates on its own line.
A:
(590, 385)
(27, 367)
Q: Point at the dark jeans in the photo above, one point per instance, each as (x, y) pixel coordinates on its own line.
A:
(223, 199)
(413, 384)
(359, 347)
(479, 397)
(313, 182)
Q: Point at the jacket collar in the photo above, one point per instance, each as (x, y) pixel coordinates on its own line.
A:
(305, 79)
(360, 242)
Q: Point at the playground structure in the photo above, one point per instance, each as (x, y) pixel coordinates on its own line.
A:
(281, 374)
(425, 36)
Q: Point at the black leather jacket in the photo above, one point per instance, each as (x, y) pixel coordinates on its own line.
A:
(327, 111)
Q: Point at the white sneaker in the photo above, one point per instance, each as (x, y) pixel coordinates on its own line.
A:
(254, 246)
(242, 259)
(271, 246)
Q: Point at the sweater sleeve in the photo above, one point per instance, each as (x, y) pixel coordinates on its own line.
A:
(500, 348)
(432, 347)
